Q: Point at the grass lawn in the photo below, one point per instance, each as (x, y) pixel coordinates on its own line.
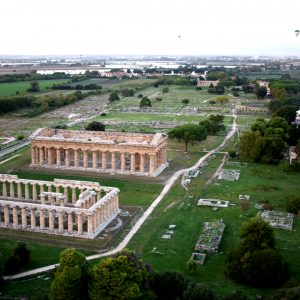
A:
(10, 88)
(261, 182)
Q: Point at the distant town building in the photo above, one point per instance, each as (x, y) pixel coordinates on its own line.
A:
(207, 83)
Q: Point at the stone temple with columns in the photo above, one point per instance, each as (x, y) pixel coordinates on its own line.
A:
(99, 151)
(63, 207)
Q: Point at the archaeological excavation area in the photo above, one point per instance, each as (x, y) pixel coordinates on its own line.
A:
(62, 207)
(99, 151)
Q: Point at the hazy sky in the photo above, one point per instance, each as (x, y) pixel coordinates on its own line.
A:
(205, 27)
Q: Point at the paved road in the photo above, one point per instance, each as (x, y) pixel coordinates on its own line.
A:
(15, 147)
(170, 182)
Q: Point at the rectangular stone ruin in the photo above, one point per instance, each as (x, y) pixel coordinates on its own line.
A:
(244, 197)
(198, 258)
(278, 219)
(63, 207)
(229, 175)
(213, 202)
(211, 236)
(99, 151)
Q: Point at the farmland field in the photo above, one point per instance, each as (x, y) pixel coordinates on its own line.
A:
(8, 89)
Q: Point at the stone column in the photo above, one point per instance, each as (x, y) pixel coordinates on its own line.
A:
(142, 163)
(50, 157)
(37, 155)
(152, 164)
(51, 219)
(49, 188)
(58, 158)
(6, 215)
(70, 222)
(27, 197)
(66, 194)
(76, 158)
(104, 160)
(34, 194)
(11, 190)
(15, 216)
(32, 218)
(113, 161)
(95, 161)
(79, 223)
(67, 158)
(43, 199)
(60, 221)
(85, 159)
(74, 195)
(132, 163)
(33, 160)
(41, 155)
(90, 224)
(123, 162)
(24, 218)
(42, 219)
(41, 188)
(57, 189)
(19, 190)
(4, 189)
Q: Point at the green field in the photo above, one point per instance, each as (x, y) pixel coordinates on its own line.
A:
(178, 208)
(8, 89)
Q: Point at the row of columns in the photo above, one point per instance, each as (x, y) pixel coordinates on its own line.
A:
(32, 190)
(98, 160)
(94, 218)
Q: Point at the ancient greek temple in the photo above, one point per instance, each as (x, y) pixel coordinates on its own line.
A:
(63, 207)
(113, 152)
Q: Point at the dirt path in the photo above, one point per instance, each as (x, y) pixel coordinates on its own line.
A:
(170, 182)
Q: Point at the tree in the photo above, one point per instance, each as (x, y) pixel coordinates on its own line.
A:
(222, 99)
(123, 276)
(34, 87)
(293, 204)
(287, 112)
(185, 101)
(251, 146)
(188, 133)
(196, 291)
(213, 124)
(255, 261)
(165, 90)
(113, 97)
(95, 126)
(20, 258)
(261, 92)
(70, 278)
(145, 102)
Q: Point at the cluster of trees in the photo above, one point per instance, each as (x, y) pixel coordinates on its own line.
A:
(145, 102)
(113, 97)
(95, 126)
(122, 276)
(188, 133)
(20, 258)
(49, 102)
(32, 77)
(91, 86)
(39, 104)
(267, 140)
(255, 261)
(12, 103)
(213, 124)
(218, 89)
(175, 81)
(126, 92)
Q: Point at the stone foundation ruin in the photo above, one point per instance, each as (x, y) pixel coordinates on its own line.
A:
(63, 207)
(99, 151)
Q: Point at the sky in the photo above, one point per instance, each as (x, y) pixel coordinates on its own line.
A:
(149, 27)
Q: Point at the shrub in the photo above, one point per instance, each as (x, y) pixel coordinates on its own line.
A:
(293, 204)
(165, 90)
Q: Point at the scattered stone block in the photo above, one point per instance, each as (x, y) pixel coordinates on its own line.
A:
(172, 226)
(166, 236)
